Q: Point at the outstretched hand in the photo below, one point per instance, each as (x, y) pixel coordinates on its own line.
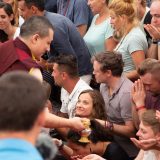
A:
(145, 144)
(76, 123)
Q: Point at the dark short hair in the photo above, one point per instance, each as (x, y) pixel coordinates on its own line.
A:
(110, 61)
(98, 134)
(98, 111)
(149, 66)
(23, 98)
(36, 25)
(40, 4)
(67, 63)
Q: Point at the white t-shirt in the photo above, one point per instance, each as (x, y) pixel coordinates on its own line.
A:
(17, 32)
(151, 155)
(69, 100)
(135, 40)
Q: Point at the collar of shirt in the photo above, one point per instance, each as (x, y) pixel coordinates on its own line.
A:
(118, 85)
(21, 45)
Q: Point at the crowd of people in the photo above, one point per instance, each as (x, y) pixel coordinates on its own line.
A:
(80, 79)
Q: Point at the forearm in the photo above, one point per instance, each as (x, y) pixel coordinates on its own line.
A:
(63, 148)
(53, 121)
(66, 151)
(153, 51)
(110, 44)
(82, 29)
(123, 130)
(136, 114)
(135, 117)
(132, 75)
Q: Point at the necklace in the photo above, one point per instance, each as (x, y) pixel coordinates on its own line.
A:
(123, 38)
(120, 43)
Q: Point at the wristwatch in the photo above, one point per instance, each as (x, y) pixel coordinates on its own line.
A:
(155, 41)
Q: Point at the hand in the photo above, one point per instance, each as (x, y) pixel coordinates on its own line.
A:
(41, 62)
(57, 142)
(138, 93)
(153, 31)
(145, 144)
(76, 124)
(92, 157)
(158, 115)
(77, 157)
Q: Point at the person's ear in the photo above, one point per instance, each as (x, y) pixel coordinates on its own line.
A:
(123, 18)
(64, 75)
(35, 38)
(108, 73)
(11, 17)
(34, 10)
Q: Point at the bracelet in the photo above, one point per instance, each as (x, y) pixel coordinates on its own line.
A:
(110, 126)
(155, 41)
(140, 108)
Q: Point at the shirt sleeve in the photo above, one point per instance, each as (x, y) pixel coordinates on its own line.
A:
(64, 108)
(137, 43)
(81, 13)
(125, 105)
(109, 30)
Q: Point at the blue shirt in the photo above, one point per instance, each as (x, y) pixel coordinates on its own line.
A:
(76, 10)
(97, 34)
(18, 149)
(67, 40)
(51, 5)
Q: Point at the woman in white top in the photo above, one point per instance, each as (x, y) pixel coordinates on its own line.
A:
(99, 35)
(7, 28)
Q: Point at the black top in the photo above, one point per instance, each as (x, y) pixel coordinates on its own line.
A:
(115, 152)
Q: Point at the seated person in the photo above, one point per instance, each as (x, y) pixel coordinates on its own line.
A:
(90, 105)
(99, 143)
(149, 129)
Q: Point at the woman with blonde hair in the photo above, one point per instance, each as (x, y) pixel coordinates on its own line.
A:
(133, 44)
